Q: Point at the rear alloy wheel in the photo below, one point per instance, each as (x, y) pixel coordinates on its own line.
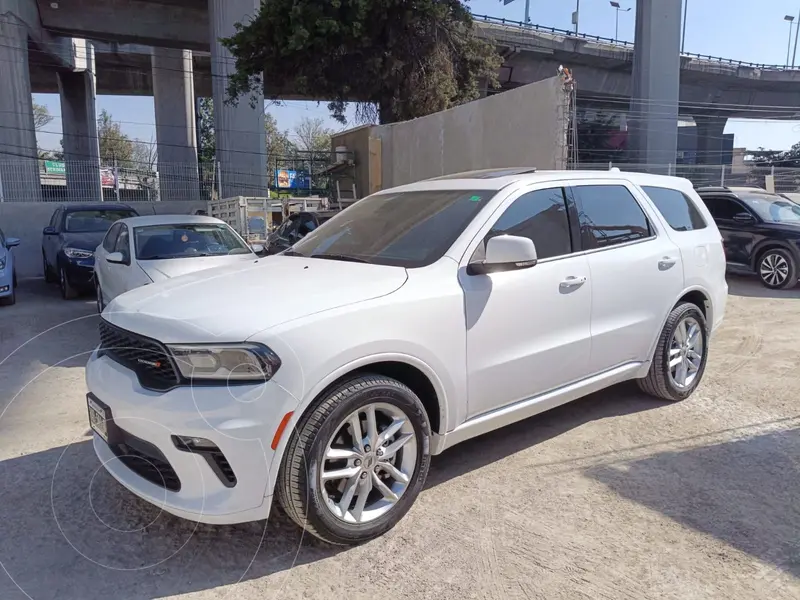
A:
(67, 291)
(357, 461)
(777, 269)
(680, 357)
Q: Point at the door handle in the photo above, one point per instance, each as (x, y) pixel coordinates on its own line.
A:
(666, 263)
(572, 281)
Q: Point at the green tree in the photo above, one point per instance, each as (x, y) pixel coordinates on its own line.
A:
(312, 135)
(207, 151)
(776, 158)
(41, 116)
(402, 58)
(115, 147)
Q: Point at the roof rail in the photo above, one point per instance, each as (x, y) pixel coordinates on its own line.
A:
(711, 188)
(486, 173)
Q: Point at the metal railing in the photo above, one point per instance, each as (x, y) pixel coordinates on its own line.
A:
(623, 44)
(298, 174)
(785, 179)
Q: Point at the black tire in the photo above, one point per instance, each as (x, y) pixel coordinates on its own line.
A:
(99, 300)
(68, 292)
(298, 487)
(659, 382)
(777, 269)
(48, 274)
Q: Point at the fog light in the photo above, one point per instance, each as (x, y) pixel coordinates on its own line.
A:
(194, 444)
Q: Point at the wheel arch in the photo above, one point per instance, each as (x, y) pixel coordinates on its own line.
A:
(770, 244)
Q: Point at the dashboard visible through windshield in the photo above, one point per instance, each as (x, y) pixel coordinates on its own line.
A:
(157, 242)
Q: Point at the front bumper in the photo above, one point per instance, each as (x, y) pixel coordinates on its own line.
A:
(241, 421)
(6, 283)
(80, 272)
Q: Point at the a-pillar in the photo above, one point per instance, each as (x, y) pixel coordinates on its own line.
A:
(77, 90)
(653, 133)
(173, 95)
(19, 165)
(239, 128)
(710, 132)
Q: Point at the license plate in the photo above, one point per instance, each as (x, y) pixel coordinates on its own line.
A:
(98, 419)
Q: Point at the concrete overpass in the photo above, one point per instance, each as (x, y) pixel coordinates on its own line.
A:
(164, 48)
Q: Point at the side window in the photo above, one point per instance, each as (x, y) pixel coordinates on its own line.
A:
(2, 239)
(55, 220)
(111, 237)
(122, 244)
(540, 216)
(723, 208)
(678, 211)
(609, 215)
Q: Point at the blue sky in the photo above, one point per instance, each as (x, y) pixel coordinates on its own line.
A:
(737, 29)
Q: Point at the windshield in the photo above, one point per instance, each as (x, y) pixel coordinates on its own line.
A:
(155, 242)
(404, 229)
(93, 221)
(773, 208)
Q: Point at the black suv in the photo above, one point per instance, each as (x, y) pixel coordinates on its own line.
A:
(69, 242)
(760, 232)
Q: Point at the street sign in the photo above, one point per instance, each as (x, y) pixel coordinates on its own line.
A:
(54, 166)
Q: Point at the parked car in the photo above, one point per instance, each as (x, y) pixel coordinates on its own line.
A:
(760, 232)
(141, 250)
(69, 241)
(294, 228)
(8, 272)
(421, 316)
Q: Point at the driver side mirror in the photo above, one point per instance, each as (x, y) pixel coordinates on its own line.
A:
(11, 242)
(257, 248)
(116, 258)
(743, 217)
(49, 231)
(505, 253)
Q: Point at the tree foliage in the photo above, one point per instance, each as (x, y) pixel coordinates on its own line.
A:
(207, 151)
(116, 148)
(776, 158)
(312, 135)
(404, 58)
(41, 116)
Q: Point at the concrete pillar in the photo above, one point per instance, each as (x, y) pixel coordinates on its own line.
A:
(19, 165)
(710, 131)
(173, 95)
(653, 137)
(77, 90)
(240, 137)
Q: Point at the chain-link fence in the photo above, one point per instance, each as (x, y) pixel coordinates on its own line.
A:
(783, 179)
(298, 174)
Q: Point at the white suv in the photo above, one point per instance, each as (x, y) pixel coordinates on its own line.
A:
(417, 318)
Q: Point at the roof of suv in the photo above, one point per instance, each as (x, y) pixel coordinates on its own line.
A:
(497, 179)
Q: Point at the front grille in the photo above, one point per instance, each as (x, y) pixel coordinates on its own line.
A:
(148, 358)
(146, 461)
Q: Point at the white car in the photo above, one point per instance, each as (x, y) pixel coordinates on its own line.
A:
(419, 317)
(139, 251)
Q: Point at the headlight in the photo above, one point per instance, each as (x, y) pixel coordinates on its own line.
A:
(226, 362)
(76, 253)
(3, 263)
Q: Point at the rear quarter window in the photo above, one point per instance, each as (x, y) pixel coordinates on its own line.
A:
(677, 208)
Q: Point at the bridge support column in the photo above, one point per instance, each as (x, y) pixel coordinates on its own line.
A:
(710, 140)
(19, 165)
(656, 79)
(173, 96)
(79, 125)
(240, 136)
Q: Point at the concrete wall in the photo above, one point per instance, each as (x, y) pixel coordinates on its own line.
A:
(524, 127)
(25, 220)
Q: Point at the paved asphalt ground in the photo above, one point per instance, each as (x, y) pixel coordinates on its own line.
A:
(613, 496)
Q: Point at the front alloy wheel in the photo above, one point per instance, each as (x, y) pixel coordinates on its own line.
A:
(777, 269)
(356, 461)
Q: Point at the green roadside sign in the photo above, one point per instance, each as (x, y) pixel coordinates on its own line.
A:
(54, 166)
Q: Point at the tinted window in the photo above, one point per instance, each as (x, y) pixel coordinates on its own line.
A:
(54, 218)
(609, 215)
(111, 237)
(405, 229)
(540, 216)
(723, 208)
(678, 210)
(85, 221)
(122, 243)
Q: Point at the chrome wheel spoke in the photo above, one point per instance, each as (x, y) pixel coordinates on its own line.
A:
(372, 428)
(392, 448)
(389, 432)
(345, 473)
(364, 488)
(396, 473)
(384, 489)
(356, 433)
(347, 496)
(674, 362)
(341, 454)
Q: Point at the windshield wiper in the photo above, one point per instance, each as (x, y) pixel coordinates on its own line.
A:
(345, 257)
(291, 253)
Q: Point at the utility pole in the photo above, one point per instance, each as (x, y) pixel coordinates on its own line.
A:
(796, 31)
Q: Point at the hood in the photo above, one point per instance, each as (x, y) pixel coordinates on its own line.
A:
(83, 241)
(159, 270)
(234, 302)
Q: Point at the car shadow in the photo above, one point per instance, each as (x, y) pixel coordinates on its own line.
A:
(71, 531)
(743, 492)
(751, 287)
(622, 399)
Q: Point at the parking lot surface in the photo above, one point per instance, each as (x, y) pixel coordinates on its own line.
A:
(613, 496)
